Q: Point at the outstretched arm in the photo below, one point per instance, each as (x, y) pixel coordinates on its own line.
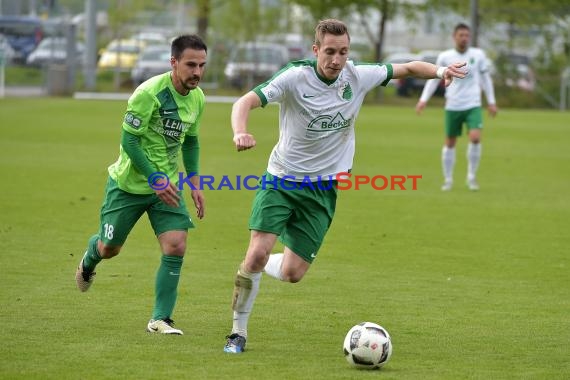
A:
(426, 70)
(240, 114)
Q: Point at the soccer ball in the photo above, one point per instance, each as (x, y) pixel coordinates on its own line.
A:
(367, 345)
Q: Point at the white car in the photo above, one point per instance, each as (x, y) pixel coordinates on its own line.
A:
(152, 61)
(254, 62)
(54, 50)
(6, 51)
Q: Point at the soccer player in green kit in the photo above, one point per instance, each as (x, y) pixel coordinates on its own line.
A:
(319, 103)
(162, 118)
(463, 105)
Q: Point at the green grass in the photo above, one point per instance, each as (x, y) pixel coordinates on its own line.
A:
(470, 285)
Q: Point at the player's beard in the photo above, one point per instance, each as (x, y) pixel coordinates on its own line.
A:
(191, 83)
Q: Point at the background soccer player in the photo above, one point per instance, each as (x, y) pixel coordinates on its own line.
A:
(463, 105)
(162, 117)
(320, 100)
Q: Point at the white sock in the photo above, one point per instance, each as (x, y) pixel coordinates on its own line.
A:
(245, 292)
(473, 158)
(273, 266)
(448, 162)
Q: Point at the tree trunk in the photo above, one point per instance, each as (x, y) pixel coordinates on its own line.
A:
(204, 8)
(381, 29)
(384, 8)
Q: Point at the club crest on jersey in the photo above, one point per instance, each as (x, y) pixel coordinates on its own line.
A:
(345, 91)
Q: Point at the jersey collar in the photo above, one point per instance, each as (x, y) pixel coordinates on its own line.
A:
(326, 81)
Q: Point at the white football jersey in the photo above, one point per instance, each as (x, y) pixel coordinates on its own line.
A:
(317, 116)
(463, 94)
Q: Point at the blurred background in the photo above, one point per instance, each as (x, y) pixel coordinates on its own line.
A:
(61, 47)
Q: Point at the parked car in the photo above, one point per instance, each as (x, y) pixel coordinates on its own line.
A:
(151, 38)
(516, 71)
(254, 62)
(120, 53)
(6, 51)
(23, 34)
(54, 50)
(152, 61)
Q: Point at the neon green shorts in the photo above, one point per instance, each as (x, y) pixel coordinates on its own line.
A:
(301, 215)
(454, 121)
(121, 210)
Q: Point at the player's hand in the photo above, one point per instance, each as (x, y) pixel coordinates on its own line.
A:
(420, 107)
(492, 108)
(169, 194)
(244, 141)
(455, 70)
(199, 203)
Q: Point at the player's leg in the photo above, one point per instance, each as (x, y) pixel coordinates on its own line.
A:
(269, 215)
(246, 287)
(304, 234)
(453, 123)
(474, 123)
(170, 226)
(119, 213)
(287, 266)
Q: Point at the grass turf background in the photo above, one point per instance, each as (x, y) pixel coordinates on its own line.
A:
(470, 285)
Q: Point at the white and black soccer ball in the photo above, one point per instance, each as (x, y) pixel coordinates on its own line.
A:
(367, 345)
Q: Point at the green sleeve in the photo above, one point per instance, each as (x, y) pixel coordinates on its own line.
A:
(140, 108)
(191, 154)
(132, 146)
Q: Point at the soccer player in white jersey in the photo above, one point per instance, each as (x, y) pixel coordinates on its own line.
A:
(463, 105)
(320, 100)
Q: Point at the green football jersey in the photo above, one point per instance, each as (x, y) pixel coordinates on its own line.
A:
(162, 118)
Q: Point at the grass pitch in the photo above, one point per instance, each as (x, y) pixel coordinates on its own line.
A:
(470, 285)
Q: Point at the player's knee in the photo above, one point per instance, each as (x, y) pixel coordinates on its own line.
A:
(108, 251)
(256, 258)
(255, 261)
(292, 276)
(175, 247)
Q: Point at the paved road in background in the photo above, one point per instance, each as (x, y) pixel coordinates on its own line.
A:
(25, 92)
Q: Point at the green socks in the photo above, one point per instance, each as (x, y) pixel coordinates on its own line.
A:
(166, 278)
(91, 257)
(166, 286)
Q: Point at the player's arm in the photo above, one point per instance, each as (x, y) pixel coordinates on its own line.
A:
(487, 87)
(240, 115)
(426, 70)
(427, 92)
(191, 158)
(429, 89)
(132, 146)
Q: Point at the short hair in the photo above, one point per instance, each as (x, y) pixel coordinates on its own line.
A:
(186, 41)
(330, 26)
(460, 26)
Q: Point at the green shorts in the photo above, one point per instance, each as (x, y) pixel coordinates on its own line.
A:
(300, 214)
(121, 210)
(454, 121)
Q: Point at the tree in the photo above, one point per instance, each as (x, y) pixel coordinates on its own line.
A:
(204, 10)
